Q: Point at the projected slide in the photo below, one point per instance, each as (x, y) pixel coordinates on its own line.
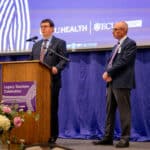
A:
(14, 25)
(85, 24)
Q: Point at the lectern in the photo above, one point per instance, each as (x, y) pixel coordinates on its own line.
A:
(31, 71)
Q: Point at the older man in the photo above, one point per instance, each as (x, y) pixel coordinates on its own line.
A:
(120, 79)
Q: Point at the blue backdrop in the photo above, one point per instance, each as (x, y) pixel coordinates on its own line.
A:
(82, 97)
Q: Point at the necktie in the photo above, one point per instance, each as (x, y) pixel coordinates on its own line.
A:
(113, 55)
(43, 50)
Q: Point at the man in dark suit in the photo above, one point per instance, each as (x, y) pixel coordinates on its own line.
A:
(120, 79)
(42, 51)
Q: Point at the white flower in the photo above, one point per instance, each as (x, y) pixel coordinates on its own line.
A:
(4, 123)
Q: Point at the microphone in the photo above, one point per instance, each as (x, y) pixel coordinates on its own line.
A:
(32, 39)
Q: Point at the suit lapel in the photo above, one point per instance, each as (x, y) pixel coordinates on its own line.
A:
(124, 42)
(39, 45)
(53, 43)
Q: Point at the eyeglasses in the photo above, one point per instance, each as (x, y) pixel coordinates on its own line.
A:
(117, 29)
(44, 27)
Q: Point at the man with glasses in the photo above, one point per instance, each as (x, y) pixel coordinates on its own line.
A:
(42, 51)
(120, 79)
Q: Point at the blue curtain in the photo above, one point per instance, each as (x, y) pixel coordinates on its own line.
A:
(82, 100)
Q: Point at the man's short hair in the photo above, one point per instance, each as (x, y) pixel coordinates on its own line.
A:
(51, 23)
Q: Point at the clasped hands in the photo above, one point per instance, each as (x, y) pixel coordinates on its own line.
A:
(106, 77)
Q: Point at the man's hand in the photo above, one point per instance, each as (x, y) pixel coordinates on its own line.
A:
(54, 70)
(106, 77)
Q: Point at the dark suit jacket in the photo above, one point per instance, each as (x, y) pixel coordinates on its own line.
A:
(122, 71)
(50, 59)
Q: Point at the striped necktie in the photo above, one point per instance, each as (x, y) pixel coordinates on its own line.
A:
(43, 50)
(113, 55)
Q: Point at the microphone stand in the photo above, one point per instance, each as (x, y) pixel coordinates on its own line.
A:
(57, 54)
(34, 41)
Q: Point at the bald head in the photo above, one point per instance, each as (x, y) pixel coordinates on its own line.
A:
(120, 29)
(123, 25)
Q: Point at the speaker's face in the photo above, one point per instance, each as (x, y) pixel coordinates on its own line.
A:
(46, 30)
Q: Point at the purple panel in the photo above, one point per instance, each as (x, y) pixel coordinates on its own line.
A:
(21, 93)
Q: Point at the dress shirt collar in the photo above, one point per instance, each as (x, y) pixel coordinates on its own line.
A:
(122, 40)
(48, 41)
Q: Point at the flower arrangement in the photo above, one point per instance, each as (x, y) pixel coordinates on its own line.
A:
(11, 117)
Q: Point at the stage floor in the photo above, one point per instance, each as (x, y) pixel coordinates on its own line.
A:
(87, 145)
(79, 144)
